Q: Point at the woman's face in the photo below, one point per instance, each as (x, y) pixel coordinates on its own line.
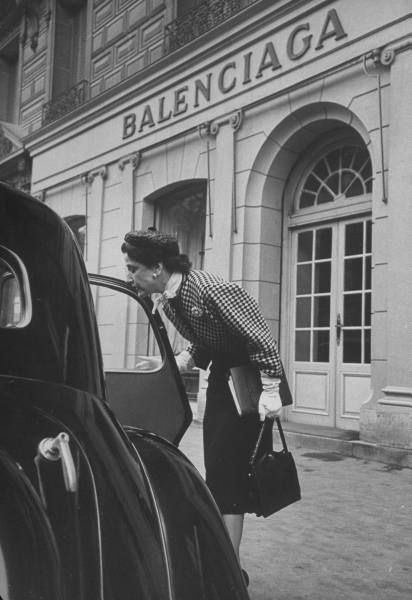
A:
(144, 279)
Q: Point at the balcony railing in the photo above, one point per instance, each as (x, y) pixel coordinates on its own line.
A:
(66, 102)
(206, 16)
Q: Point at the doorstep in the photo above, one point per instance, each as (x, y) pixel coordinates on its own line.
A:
(339, 441)
(347, 443)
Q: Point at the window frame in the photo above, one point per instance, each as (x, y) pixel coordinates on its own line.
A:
(10, 99)
(18, 270)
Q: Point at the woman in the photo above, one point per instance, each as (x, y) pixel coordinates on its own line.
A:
(225, 328)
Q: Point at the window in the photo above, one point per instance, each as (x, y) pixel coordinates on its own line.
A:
(344, 172)
(357, 288)
(77, 224)
(313, 295)
(321, 303)
(10, 307)
(15, 303)
(69, 46)
(126, 335)
(9, 58)
(182, 213)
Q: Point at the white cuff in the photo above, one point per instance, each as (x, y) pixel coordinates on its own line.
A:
(184, 361)
(269, 384)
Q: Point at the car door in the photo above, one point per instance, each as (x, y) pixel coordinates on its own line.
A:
(144, 386)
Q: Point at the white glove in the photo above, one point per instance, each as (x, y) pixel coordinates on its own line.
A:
(270, 404)
(184, 361)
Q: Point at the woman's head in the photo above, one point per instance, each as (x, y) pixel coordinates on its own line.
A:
(151, 257)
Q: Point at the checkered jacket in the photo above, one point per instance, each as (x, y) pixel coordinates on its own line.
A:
(217, 316)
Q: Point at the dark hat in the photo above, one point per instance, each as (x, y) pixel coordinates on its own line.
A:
(153, 244)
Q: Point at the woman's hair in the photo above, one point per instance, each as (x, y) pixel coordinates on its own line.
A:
(151, 247)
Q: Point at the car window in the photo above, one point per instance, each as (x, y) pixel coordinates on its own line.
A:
(126, 335)
(15, 301)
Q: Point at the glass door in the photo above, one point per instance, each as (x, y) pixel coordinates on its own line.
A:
(353, 320)
(330, 350)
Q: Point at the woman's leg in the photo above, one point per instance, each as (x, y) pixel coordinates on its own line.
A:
(234, 525)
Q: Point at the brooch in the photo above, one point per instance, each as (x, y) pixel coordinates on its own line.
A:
(196, 312)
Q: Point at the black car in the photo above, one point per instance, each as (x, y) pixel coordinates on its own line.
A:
(96, 500)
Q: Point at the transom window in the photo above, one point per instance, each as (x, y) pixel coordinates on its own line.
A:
(344, 172)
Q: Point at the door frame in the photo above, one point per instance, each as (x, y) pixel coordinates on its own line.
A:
(358, 207)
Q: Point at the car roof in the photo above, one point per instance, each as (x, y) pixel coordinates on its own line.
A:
(58, 341)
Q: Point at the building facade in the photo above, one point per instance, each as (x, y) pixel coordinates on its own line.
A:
(270, 137)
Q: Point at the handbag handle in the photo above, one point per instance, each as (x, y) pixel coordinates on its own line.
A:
(260, 436)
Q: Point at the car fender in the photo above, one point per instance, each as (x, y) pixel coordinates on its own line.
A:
(200, 555)
(24, 529)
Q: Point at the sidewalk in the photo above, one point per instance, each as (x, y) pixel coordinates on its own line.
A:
(337, 440)
(344, 442)
(349, 538)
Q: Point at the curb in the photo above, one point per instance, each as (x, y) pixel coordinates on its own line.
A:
(353, 448)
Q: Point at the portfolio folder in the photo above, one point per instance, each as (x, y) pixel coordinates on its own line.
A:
(246, 387)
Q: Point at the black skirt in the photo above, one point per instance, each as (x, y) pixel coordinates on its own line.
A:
(229, 440)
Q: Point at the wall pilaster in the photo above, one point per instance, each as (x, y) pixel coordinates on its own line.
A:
(394, 407)
(219, 258)
(127, 166)
(94, 181)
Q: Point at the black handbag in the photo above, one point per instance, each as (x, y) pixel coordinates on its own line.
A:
(273, 476)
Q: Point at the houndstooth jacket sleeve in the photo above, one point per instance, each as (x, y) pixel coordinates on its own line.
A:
(216, 316)
(242, 317)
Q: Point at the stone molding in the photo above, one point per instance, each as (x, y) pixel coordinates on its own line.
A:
(134, 159)
(397, 396)
(91, 175)
(211, 128)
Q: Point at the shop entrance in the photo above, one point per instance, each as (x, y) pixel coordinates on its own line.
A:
(329, 300)
(332, 323)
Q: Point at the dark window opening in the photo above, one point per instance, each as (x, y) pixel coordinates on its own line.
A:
(9, 58)
(69, 50)
(77, 224)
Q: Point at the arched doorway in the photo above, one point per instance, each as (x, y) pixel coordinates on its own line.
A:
(313, 175)
(180, 210)
(329, 252)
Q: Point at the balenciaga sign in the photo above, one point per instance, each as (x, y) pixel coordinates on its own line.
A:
(242, 71)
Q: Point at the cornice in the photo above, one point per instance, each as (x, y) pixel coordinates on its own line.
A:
(157, 78)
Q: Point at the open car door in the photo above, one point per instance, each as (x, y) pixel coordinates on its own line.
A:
(144, 386)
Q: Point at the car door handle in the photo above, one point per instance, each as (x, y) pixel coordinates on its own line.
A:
(58, 448)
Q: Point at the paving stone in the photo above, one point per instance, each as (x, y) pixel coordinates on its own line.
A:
(349, 538)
